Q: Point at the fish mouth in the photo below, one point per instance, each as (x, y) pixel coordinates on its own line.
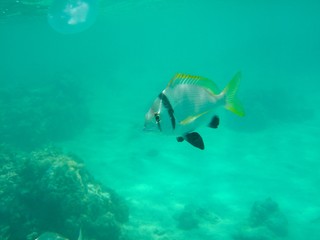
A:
(146, 129)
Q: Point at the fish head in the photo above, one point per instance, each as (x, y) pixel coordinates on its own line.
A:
(152, 117)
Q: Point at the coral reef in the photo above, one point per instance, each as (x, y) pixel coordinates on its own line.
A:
(265, 222)
(47, 191)
(39, 112)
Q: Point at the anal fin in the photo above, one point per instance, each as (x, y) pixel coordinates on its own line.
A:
(214, 123)
(195, 139)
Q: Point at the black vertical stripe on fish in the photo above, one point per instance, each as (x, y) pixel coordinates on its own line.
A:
(168, 106)
(173, 119)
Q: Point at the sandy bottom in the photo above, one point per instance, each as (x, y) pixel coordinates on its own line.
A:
(161, 178)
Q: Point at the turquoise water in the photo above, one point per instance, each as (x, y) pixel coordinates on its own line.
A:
(86, 91)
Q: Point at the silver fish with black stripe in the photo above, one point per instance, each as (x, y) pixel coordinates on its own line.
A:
(189, 102)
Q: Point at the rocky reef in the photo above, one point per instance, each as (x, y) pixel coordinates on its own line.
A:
(265, 222)
(48, 191)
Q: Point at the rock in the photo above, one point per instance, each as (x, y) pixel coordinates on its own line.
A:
(192, 216)
(267, 213)
(266, 222)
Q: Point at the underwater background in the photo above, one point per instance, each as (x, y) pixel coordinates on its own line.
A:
(78, 76)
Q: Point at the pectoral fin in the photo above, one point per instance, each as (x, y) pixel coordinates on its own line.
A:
(195, 139)
(192, 118)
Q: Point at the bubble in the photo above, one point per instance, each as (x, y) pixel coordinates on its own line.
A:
(72, 16)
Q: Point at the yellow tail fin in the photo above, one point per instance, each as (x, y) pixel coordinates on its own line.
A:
(232, 103)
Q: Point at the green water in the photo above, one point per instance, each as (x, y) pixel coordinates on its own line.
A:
(87, 93)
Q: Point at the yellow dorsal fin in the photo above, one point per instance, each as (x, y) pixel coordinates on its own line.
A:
(190, 119)
(181, 78)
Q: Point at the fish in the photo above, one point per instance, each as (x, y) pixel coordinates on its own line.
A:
(51, 236)
(189, 102)
(56, 236)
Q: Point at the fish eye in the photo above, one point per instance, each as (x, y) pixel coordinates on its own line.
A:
(157, 117)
